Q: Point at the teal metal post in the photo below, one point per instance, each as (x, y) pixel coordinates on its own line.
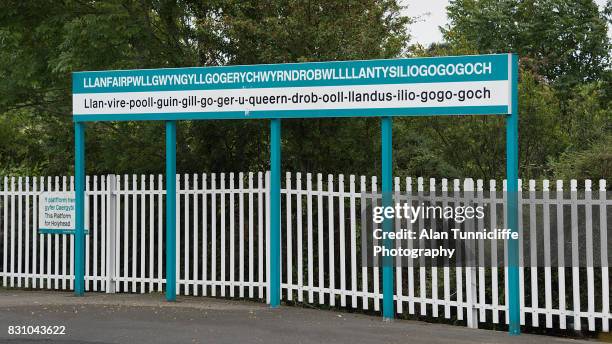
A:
(275, 191)
(79, 190)
(514, 309)
(386, 126)
(170, 210)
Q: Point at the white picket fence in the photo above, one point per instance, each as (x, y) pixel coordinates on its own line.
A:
(222, 231)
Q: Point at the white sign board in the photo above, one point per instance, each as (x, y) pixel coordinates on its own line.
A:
(57, 213)
(450, 85)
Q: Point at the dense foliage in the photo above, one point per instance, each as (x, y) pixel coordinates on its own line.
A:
(565, 90)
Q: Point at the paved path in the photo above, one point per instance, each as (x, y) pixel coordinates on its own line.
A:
(135, 318)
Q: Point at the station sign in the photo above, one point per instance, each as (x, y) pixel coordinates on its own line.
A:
(478, 84)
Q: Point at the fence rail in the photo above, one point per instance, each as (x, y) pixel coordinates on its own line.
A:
(222, 234)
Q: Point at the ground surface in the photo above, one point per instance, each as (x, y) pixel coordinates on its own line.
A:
(135, 318)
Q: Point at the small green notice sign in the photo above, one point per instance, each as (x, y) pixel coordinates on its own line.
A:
(57, 213)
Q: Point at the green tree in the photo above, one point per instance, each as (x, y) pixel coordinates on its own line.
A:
(594, 162)
(562, 41)
(564, 84)
(42, 42)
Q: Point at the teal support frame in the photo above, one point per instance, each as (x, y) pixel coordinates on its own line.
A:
(79, 190)
(84, 84)
(275, 194)
(170, 211)
(514, 309)
(386, 126)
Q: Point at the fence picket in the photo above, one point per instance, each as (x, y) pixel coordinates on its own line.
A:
(588, 214)
(605, 280)
(71, 237)
(505, 221)
(547, 260)
(364, 248)
(5, 248)
(143, 189)
(533, 263)
(260, 233)
(134, 229)
(160, 235)
(19, 230)
(561, 255)
(125, 230)
(398, 267)
(320, 237)
(267, 202)
(447, 281)
(60, 276)
(43, 239)
(204, 234)
(232, 248)
(196, 239)
(521, 250)
(186, 235)
(331, 255)
(341, 227)
(309, 216)
(178, 235)
(422, 271)
(289, 237)
(13, 256)
(575, 258)
(411, 296)
(49, 244)
(151, 230)
(353, 243)
(27, 233)
(222, 229)
(251, 238)
(458, 267)
(470, 271)
(241, 234)
(107, 198)
(434, 268)
(494, 265)
(376, 271)
(94, 220)
(122, 246)
(481, 256)
(35, 273)
(213, 239)
(300, 249)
